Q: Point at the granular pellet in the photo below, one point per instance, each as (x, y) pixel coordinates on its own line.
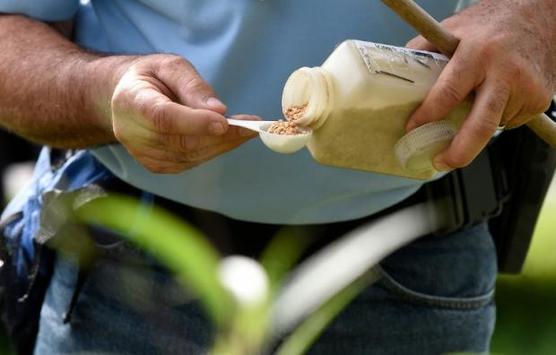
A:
(295, 112)
(284, 128)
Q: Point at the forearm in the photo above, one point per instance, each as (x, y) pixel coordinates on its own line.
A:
(51, 91)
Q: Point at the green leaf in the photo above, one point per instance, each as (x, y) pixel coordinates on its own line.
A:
(179, 246)
(283, 252)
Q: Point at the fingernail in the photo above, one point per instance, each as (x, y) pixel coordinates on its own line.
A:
(441, 166)
(215, 103)
(217, 128)
(244, 132)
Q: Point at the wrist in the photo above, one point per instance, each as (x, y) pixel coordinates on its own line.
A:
(102, 75)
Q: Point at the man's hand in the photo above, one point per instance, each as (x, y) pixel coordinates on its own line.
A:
(169, 118)
(507, 57)
(157, 106)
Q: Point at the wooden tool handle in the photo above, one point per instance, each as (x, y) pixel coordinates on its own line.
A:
(544, 127)
(424, 24)
(447, 43)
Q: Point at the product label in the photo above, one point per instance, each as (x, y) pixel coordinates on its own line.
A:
(400, 63)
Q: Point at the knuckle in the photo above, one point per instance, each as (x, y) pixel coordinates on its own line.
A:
(157, 113)
(171, 60)
(495, 104)
(483, 129)
(196, 84)
(493, 47)
(513, 69)
(451, 92)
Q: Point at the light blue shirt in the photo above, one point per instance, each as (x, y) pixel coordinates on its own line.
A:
(245, 49)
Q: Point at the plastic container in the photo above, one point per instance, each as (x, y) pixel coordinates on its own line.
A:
(358, 103)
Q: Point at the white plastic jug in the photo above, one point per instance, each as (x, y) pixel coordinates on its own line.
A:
(358, 103)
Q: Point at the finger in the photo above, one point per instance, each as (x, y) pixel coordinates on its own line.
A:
(519, 120)
(477, 129)
(177, 149)
(172, 118)
(244, 132)
(458, 79)
(188, 86)
(202, 155)
(420, 43)
(167, 117)
(158, 154)
(163, 167)
(530, 106)
(184, 144)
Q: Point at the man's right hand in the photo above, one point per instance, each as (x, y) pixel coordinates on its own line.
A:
(55, 93)
(169, 118)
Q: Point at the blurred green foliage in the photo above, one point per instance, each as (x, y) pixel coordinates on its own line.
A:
(526, 321)
(527, 303)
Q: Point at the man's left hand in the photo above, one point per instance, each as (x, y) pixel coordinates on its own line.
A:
(507, 57)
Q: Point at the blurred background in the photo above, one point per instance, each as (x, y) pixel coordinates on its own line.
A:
(16, 157)
(526, 320)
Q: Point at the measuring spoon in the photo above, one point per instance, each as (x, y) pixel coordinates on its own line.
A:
(280, 143)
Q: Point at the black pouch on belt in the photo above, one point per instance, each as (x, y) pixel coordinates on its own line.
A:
(506, 186)
(528, 165)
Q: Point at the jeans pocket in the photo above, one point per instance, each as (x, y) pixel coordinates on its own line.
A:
(456, 271)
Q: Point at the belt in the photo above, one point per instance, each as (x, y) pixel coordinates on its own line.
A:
(463, 198)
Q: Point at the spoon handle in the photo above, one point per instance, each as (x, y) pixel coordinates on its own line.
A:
(252, 125)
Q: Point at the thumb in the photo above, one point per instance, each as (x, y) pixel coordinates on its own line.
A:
(189, 87)
(195, 92)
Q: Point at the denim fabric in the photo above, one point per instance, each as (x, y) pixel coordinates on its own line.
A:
(434, 297)
(24, 212)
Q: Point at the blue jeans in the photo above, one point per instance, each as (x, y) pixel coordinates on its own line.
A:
(435, 296)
